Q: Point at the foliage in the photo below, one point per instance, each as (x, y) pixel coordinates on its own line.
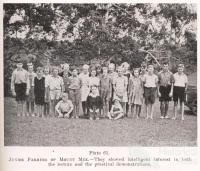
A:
(77, 33)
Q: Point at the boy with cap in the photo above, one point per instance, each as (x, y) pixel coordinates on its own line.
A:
(20, 87)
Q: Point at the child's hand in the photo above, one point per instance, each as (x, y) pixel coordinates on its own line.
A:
(13, 93)
(97, 110)
(170, 94)
(27, 92)
(90, 110)
(159, 95)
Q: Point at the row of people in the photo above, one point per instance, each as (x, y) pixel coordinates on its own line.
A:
(45, 89)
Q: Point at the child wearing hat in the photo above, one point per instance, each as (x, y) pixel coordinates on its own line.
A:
(20, 86)
(64, 107)
(116, 111)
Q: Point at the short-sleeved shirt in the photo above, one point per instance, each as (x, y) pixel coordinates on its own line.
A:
(74, 83)
(150, 80)
(20, 76)
(56, 83)
(165, 78)
(112, 76)
(64, 106)
(120, 83)
(180, 80)
(105, 82)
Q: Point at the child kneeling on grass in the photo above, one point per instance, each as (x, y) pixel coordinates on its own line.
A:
(94, 103)
(64, 107)
(116, 111)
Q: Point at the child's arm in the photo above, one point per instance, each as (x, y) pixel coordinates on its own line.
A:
(57, 108)
(27, 84)
(12, 84)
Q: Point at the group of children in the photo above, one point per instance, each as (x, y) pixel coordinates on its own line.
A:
(100, 91)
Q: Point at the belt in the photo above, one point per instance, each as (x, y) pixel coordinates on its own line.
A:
(54, 89)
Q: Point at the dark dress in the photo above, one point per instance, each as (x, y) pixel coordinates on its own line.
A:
(39, 90)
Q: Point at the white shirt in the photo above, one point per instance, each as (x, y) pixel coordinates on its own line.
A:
(56, 83)
(94, 81)
(180, 80)
(150, 80)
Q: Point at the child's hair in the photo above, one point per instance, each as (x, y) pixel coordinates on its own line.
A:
(39, 69)
(165, 63)
(150, 65)
(181, 65)
(65, 94)
(55, 68)
(136, 69)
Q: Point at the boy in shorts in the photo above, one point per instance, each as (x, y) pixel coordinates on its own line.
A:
(150, 89)
(20, 87)
(64, 107)
(180, 87)
(56, 87)
(74, 92)
(165, 90)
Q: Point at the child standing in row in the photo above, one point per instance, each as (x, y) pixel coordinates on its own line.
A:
(180, 87)
(120, 88)
(20, 87)
(105, 91)
(85, 89)
(47, 92)
(39, 92)
(93, 80)
(74, 92)
(135, 91)
(30, 98)
(56, 86)
(150, 89)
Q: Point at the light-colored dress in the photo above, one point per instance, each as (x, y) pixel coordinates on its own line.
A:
(85, 89)
(30, 97)
(120, 85)
(135, 91)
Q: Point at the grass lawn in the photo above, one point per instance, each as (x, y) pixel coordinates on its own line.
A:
(32, 131)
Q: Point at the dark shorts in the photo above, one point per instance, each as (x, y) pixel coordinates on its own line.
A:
(164, 91)
(179, 93)
(150, 95)
(20, 90)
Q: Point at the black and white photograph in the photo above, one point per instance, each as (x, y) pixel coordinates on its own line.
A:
(100, 74)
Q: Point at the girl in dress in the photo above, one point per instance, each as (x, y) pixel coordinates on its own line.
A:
(120, 88)
(39, 92)
(93, 80)
(84, 77)
(47, 90)
(116, 111)
(135, 91)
